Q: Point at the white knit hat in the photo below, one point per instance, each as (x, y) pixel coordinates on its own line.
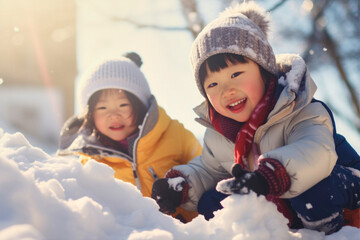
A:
(240, 30)
(119, 73)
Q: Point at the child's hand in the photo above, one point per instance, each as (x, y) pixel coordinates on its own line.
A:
(243, 182)
(168, 193)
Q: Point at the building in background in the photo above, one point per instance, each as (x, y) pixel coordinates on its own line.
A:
(37, 66)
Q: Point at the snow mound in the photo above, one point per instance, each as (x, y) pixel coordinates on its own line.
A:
(50, 197)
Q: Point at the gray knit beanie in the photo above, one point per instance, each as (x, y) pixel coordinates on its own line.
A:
(119, 73)
(239, 30)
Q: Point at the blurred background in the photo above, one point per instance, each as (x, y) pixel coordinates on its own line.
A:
(45, 45)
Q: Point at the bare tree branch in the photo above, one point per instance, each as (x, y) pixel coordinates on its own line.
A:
(153, 26)
(330, 44)
(191, 14)
(195, 23)
(273, 8)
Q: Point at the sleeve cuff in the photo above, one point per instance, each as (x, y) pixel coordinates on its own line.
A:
(276, 176)
(173, 174)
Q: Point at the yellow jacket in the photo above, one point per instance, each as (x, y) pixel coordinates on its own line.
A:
(162, 143)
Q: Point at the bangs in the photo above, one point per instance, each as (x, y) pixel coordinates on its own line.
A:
(217, 62)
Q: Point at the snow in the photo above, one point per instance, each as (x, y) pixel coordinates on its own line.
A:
(355, 172)
(176, 183)
(298, 67)
(52, 197)
(320, 223)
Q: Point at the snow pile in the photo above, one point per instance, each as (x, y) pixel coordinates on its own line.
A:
(48, 197)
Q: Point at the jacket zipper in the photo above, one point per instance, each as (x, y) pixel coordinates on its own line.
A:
(153, 174)
(134, 162)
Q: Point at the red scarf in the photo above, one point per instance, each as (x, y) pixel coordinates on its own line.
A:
(242, 134)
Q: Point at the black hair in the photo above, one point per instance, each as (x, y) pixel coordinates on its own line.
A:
(220, 61)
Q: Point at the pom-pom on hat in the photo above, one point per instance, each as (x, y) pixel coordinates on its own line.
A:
(119, 73)
(239, 30)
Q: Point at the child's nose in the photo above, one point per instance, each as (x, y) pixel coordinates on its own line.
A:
(114, 114)
(228, 91)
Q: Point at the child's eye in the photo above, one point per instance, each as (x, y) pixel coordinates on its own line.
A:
(124, 105)
(212, 85)
(100, 108)
(234, 75)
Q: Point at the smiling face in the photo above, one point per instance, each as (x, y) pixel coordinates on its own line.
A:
(113, 115)
(235, 90)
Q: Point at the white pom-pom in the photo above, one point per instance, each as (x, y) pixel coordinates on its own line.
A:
(253, 11)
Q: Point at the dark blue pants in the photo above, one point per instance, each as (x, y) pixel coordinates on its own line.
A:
(321, 207)
(210, 202)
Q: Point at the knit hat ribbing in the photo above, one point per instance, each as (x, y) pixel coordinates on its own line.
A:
(119, 73)
(239, 30)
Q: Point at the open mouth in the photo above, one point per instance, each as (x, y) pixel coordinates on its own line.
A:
(235, 106)
(117, 128)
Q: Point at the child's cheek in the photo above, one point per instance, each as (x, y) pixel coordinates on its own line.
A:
(213, 100)
(254, 91)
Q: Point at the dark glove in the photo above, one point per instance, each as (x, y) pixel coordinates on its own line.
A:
(168, 193)
(243, 182)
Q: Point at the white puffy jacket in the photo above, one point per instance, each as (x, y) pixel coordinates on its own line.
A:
(298, 133)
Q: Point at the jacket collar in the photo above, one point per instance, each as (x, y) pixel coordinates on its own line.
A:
(298, 86)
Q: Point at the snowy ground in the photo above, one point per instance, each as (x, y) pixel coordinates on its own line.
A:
(48, 197)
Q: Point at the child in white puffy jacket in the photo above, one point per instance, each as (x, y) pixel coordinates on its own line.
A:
(260, 114)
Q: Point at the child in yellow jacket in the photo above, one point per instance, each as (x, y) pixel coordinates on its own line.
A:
(122, 126)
